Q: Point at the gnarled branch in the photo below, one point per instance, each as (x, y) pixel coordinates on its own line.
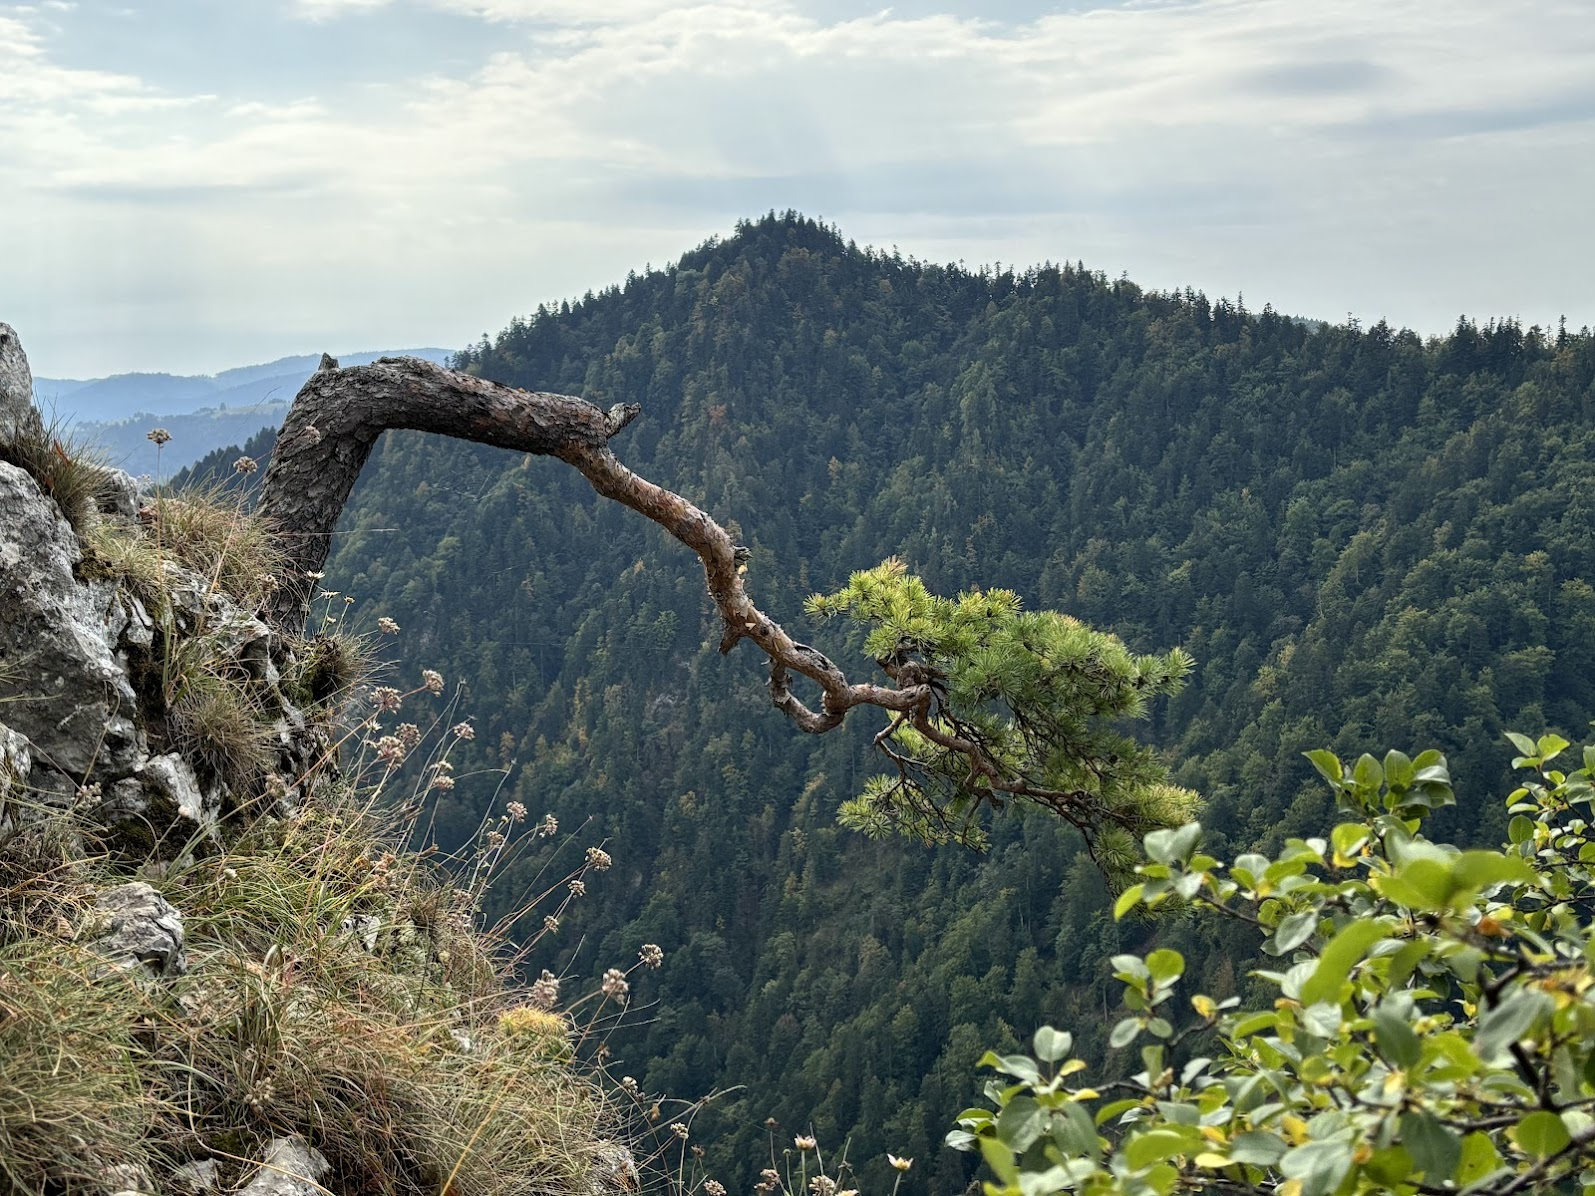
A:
(339, 413)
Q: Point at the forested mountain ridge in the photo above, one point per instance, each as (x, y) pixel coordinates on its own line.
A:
(1364, 539)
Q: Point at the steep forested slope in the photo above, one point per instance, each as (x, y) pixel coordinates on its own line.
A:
(1364, 539)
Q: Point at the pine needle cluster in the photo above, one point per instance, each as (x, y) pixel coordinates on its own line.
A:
(1019, 705)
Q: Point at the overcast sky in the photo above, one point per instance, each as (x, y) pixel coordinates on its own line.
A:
(190, 185)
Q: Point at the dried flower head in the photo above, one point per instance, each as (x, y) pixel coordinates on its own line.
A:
(545, 990)
(516, 811)
(651, 955)
(551, 924)
(432, 681)
(390, 749)
(899, 1164)
(822, 1185)
(678, 1130)
(628, 1084)
(598, 859)
(495, 839)
(804, 1142)
(409, 735)
(388, 625)
(464, 731)
(245, 466)
(713, 1187)
(386, 699)
(444, 782)
(548, 827)
(158, 436)
(314, 574)
(578, 888)
(614, 985)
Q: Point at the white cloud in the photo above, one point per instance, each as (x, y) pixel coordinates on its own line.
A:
(1181, 139)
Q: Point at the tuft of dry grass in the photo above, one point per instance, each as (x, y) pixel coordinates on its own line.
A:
(343, 984)
(212, 532)
(73, 1096)
(67, 469)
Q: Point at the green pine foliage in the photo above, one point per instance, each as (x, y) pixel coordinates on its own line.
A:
(1037, 696)
(1357, 534)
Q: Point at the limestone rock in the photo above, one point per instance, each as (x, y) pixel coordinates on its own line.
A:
(16, 762)
(172, 781)
(60, 679)
(120, 495)
(141, 929)
(614, 1171)
(17, 412)
(291, 1168)
(127, 1179)
(203, 1175)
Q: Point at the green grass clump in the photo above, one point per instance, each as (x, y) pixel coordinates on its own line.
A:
(338, 988)
(396, 1053)
(74, 1099)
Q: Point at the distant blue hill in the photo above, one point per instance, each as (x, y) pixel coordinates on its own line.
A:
(202, 412)
(122, 396)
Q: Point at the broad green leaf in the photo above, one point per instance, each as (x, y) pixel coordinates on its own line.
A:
(1075, 1133)
(1541, 1133)
(1522, 743)
(1156, 1145)
(1021, 1123)
(1423, 883)
(1000, 1159)
(1435, 1149)
(1348, 837)
(1052, 1045)
(1259, 1148)
(1175, 844)
(1508, 1020)
(1165, 965)
(1396, 1039)
(1293, 930)
(1320, 1166)
(1475, 870)
(1342, 953)
(1366, 773)
(1390, 1166)
(1550, 746)
(1398, 770)
(1479, 1159)
(1328, 765)
(1127, 901)
(1124, 1032)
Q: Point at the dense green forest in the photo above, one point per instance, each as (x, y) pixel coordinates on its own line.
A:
(1364, 538)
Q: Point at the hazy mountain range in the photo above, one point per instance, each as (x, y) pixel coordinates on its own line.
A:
(202, 412)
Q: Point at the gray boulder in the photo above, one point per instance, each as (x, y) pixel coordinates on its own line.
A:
(61, 682)
(140, 929)
(18, 415)
(291, 1168)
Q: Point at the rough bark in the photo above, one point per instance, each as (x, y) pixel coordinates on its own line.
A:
(339, 413)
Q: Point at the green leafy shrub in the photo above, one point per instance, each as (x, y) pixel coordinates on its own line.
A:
(1433, 1029)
